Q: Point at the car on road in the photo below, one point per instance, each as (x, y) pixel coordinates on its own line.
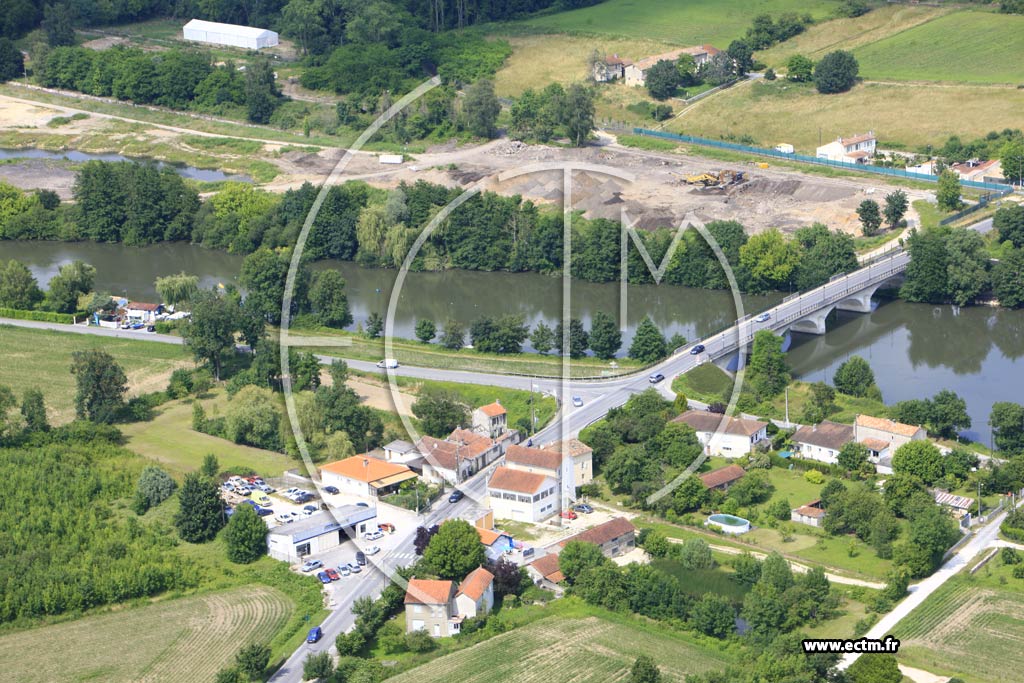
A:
(332, 574)
(324, 577)
(577, 401)
(456, 496)
(360, 557)
(699, 348)
(763, 318)
(315, 634)
(332, 490)
(310, 565)
(354, 567)
(656, 377)
(569, 514)
(373, 535)
(372, 550)
(344, 571)
(583, 507)
(388, 363)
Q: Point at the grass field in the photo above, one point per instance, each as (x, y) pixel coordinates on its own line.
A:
(912, 115)
(697, 582)
(707, 383)
(187, 639)
(170, 440)
(963, 47)
(971, 627)
(42, 358)
(577, 644)
(693, 22)
(516, 401)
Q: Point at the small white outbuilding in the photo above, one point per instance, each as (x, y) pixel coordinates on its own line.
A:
(229, 34)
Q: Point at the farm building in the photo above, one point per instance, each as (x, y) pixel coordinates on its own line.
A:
(229, 34)
(636, 73)
(319, 533)
(810, 514)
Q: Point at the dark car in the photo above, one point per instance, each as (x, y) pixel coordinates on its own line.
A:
(584, 508)
(362, 505)
(655, 378)
(324, 577)
(263, 512)
(456, 496)
(304, 498)
(151, 328)
(332, 489)
(315, 634)
(361, 558)
(699, 348)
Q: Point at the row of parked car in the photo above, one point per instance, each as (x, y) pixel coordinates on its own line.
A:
(298, 496)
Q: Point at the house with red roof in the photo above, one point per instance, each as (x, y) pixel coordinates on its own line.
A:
(858, 149)
(439, 607)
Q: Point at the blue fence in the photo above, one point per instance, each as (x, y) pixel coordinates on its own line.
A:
(863, 168)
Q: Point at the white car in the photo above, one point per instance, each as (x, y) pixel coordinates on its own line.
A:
(577, 401)
(763, 318)
(310, 565)
(372, 550)
(285, 517)
(373, 535)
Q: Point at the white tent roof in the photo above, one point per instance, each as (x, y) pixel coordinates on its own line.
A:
(234, 29)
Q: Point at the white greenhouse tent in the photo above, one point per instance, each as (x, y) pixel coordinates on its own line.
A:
(229, 34)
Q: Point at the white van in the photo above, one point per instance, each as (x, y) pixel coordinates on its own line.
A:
(388, 363)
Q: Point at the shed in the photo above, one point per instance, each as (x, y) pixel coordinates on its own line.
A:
(233, 35)
(318, 533)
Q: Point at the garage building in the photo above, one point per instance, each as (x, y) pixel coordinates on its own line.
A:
(319, 532)
(229, 34)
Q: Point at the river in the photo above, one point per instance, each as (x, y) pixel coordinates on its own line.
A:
(915, 349)
(204, 174)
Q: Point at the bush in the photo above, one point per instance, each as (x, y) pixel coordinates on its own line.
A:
(1018, 571)
(814, 476)
(419, 642)
(41, 316)
(154, 487)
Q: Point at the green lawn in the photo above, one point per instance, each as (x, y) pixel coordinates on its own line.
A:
(962, 47)
(516, 401)
(707, 383)
(697, 582)
(187, 639)
(848, 407)
(42, 358)
(694, 22)
(576, 643)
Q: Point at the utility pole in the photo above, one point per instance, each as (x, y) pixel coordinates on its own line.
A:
(979, 500)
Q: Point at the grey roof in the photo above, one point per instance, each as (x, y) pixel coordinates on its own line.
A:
(826, 434)
(400, 446)
(324, 522)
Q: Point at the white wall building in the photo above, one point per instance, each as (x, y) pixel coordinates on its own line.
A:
(823, 441)
(319, 533)
(233, 35)
(549, 463)
(522, 496)
(732, 438)
(856, 150)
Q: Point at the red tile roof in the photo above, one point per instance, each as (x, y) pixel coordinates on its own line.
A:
(533, 457)
(138, 306)
(602, 533)
(722, 476)
(366, 469)
(476, 582)
(885, 425)
(428, 592)
(547, 567)
(506, 479)
(492, 409)
(705, 421)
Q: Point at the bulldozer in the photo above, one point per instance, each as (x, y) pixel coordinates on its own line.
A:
(721, 179)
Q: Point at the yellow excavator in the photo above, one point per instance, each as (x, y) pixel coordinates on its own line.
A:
(720, 179)
(705, 179)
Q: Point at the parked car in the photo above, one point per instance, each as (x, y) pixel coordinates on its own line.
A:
(372, 550)
(263, 512)
(361, 557)
(265, 488)
(332, 490)
(310, 565)
(373, 535)
(763, 318)
(362, 505)
(698, 349)
(583, 507)
(303, 498)
(354, 567)
(309, 509)
(228, 486)
(577, 401)
(569, 514)
(333, 574)
(344, 571)
(315, 634)
(656, 377)
(456, 496)
(262, 498)
(387, 526)
(151, 328)
(285, 517)
(324, 577)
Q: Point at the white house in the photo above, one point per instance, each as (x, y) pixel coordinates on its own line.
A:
(403, 453)
(136, 311)
(522, 496)
(491, 420)
(550, 463)
(475, 596)
(461, 455)
(823, 441)
(440, 607)
(880, 429)
(364, 476)
(729, 437)
(582, 457)
(229, 34)
(855, 150)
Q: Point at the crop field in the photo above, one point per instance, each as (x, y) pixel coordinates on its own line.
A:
(42, 358)
(967, 630)
(592, 649)
(187, 639)
(693, 22)
(911, 114)
(962, 47)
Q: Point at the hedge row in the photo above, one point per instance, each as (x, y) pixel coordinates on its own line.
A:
(41, 316)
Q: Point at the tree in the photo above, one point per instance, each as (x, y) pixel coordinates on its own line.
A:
(690, 495)
(543, 338)
(481, 108)
(767, 373)
(261, 93)
(329, 301)
(73, 280)
(649, 343)
(967, 265)
(896, 205)
(154, 487)
(201, 513)
(579, 105)
(579, 340)
(423, 536)
(245, 536)
(252, 660)
(33, 411)
(820, 404)
(317, 666)
(177, 289)
(799, 69)
(852, 456)
(687, 68)
(57, 23)
(948, 414)
(440, 412)
(836, 72)
(662, 80)
(1009, 223)
(713, 615)
(18, 287)
(577, 557)
(12, 63)
(948, 194)
(926, 276)
(100, 385)
(644, 670)
(776, 572)
(454, 551)
(875, 668)
(211, 466)
(426, 330)
(919, 459)
(252, 418)
(770, 259)
(695, 553)
(509, 578)
(1011, 159)
(605, 337)
(742, 57)
(454, 336)
(229, 674)
(1007, 422)
(870, 217)
(854, 377)
(210, 330)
